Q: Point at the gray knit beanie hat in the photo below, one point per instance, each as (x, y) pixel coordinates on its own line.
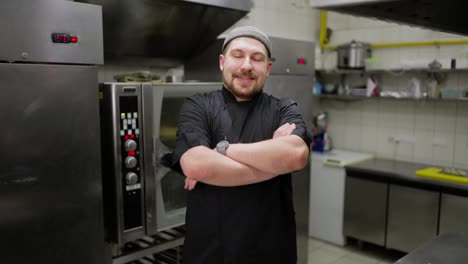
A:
(248, 31)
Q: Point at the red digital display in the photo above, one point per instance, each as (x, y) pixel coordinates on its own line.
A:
(63, 38)
(301, 61)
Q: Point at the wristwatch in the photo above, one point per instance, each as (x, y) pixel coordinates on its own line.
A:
(222, 146)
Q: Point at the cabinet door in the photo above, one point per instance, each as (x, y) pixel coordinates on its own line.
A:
(326, 202)
(453, 213)
(365, 210)
(412, 217)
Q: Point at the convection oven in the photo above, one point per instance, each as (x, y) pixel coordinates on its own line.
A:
(138, 128)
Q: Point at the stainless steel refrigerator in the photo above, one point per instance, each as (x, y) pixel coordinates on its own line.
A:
(50, 172)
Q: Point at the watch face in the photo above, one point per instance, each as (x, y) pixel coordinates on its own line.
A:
(222, 144)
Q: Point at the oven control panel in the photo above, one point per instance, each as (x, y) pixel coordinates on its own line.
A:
(131, 167)
(122, 161)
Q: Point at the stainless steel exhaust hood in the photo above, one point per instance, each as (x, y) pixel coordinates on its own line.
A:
(172, 29)
(447, 16)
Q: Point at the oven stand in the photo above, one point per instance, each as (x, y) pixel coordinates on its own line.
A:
(165, 247)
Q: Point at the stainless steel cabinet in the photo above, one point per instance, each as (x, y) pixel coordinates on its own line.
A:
(412, 217)
(365, 210)
(453, 213)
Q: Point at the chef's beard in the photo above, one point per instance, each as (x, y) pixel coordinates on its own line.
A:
(239, 92)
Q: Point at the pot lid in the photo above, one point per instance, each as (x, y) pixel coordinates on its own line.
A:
(354, 44)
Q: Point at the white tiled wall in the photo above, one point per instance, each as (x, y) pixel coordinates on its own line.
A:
(427, 131)
(433, 132)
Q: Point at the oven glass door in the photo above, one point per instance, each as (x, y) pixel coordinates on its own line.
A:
(166, 196)
(171, 181)
(170, 193)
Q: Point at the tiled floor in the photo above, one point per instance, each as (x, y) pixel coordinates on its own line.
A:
(324, 253)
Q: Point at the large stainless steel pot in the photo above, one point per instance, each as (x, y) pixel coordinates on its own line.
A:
(353, 55)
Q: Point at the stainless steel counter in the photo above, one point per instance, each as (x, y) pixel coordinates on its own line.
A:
(399, 171)
(406, 210)
(448, 248)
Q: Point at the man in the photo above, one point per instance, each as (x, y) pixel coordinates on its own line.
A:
(237, 147)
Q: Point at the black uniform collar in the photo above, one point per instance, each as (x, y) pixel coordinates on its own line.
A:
(229, 97)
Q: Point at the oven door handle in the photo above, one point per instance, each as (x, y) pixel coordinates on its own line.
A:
(161, 161)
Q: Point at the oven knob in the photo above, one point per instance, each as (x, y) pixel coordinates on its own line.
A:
(130, 162)
(130, 145)
(131, 178)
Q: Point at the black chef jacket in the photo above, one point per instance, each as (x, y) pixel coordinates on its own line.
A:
(246, 224)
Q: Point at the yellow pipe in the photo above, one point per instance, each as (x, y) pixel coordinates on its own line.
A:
(421, 43)
(324, 40)
(323, 31)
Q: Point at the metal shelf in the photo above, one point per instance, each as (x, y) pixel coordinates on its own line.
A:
(342, 97)
(163, 248)
(355, 98)
(390, 71)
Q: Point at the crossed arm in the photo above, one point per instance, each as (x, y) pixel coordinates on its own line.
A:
(246, 163)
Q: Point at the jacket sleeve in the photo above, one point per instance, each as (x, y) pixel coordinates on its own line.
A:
(192, 130)
(289, 113)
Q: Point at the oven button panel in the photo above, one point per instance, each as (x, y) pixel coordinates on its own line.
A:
(130, 145)
(132, 178)
(130, 162)
(131, 168)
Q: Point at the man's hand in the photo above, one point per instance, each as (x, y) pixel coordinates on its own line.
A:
(190, 184)
(284, 130)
